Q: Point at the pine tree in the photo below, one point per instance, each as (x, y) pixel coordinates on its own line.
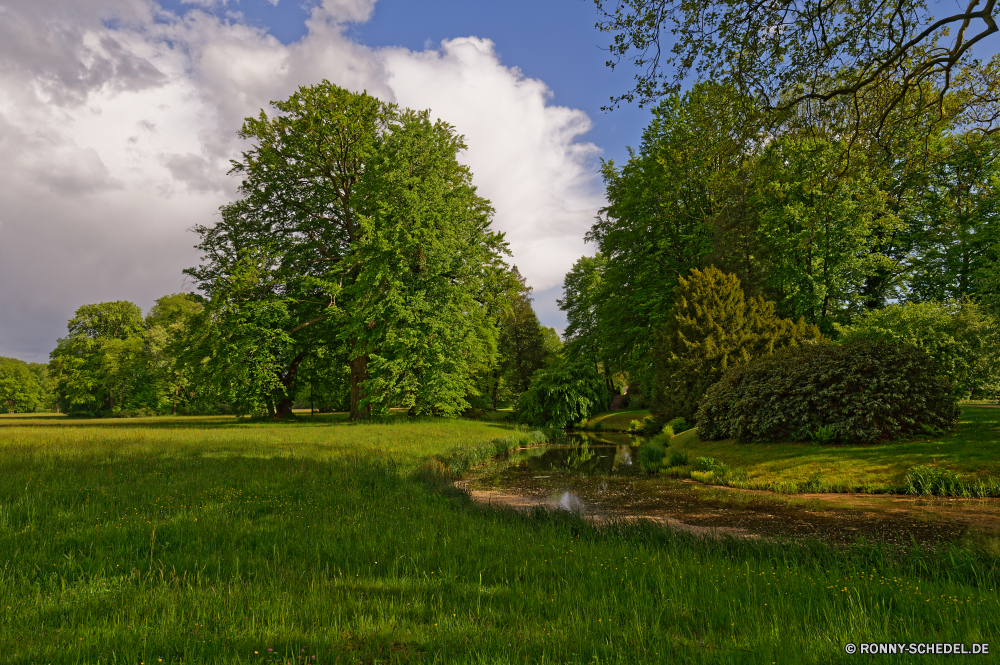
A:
(712, 327)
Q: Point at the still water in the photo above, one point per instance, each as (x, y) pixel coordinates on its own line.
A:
(599, 477)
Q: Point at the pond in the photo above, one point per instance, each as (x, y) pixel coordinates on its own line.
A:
(599, 477)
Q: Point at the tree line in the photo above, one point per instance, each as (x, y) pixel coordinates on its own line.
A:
(357, 271)
(829, 225)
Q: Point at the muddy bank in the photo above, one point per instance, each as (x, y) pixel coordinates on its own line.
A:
(603, 482)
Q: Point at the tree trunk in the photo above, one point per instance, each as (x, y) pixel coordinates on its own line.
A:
(284, 409)
(359, 374)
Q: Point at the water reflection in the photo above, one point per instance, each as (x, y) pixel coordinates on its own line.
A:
(595, 476)
(623, 457)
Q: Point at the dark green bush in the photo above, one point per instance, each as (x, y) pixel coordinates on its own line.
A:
(678, 458)
(861, 392)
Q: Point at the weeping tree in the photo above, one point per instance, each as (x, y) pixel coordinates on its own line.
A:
(358, 232)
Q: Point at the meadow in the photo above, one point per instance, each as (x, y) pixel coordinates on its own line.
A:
(195, 540)
(971, 450)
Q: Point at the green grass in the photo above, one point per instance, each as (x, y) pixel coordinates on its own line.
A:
(972, 450)
(616, 421)
(209, 541)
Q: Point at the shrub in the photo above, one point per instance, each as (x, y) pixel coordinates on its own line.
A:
(958, 334)
(864, 391)
(934, 481)
(651, 454)
(678, 458)
(712, 327)
(711, 464)
(640, 426)
(563, 394)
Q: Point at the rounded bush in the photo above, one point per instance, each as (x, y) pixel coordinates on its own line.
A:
(864, 391)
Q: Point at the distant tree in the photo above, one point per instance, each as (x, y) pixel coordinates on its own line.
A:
(564, 394)
(41, 374)
(956, 222)
(522, 339)
(20, 391)
(101, 366)
(168, 328)
(958, 334)
(813, 223)
(663, 208)
(582, 294)
(712, 327)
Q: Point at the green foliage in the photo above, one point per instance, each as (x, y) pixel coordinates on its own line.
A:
(712, 327)
(963, 338)
(385, 263)
(711, 464)
(651, 454)
(523, 347)
(933, 480)
(564, 394)
(815, 225)
(953, 228)
(20, 389)
(674, 427)
(678, 458)
(867, 391)
(102, 365)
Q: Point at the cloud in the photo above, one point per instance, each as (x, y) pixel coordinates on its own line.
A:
(118, 120)
(523, 152)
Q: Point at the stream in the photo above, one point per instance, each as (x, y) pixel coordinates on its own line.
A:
(598, 477)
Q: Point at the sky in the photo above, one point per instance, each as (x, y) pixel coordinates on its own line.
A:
(118, 119)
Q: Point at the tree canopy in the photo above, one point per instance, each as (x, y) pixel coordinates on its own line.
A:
(359, 236)
(871, 58)
(20, 388)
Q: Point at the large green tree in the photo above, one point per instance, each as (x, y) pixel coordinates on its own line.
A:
(360, 233)
(962, 337)
(168, 327)
(657, 226)
(20, 389)
(814, 219)
(101, 366)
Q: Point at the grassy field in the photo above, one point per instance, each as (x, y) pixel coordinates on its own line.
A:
(972, 450)
(202, 540)
(616, 421)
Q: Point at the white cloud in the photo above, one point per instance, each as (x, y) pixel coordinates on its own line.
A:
(117, 121)
(523, 153)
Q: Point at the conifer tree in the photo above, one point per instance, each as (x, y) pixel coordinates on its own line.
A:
(712, 327)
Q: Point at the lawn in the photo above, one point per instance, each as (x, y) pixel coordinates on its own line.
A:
(616, 421)
(972, 450)
(202, 540)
